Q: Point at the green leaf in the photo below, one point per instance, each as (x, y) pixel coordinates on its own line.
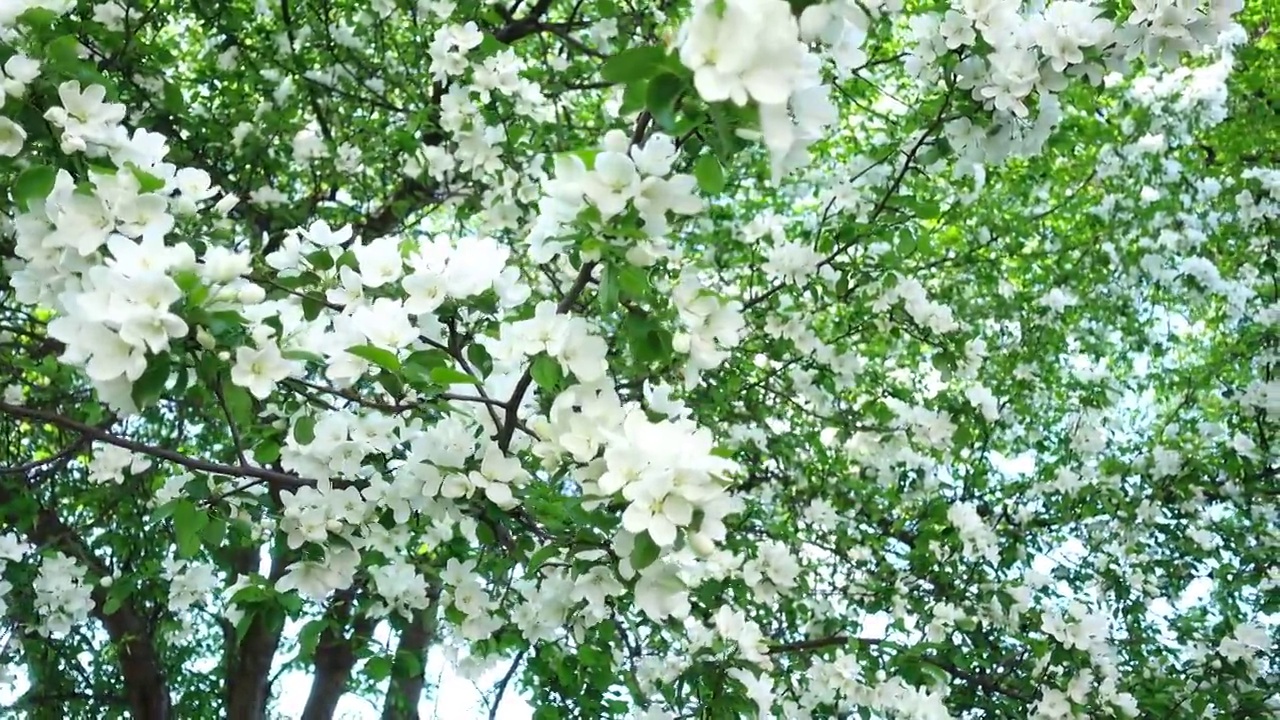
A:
(148, 388)
(309, 637)
(302, 356)
(661, 98)
(62, 52)
(445, 375)
(250, 595)
(378, 668)
(321, 259)
(311, 307)
(546, 372)
(382, 358)
(391, 383)
(709, 174)
(174, 102)
(239, 403)
(116, 596)
(726, 122)
(34, 183)
(633, 97)
(242, 625)
(304, 429)
(632, 64)
(188, 521)
(645, 552)
(225, 321)
(634, 281)
(648, 341)
(214, 531)
(427, 359)
(607, 293)
(540, 556)
(267, 452)
(147, 182)
(479, 357)
(546, 712)
(38, 18)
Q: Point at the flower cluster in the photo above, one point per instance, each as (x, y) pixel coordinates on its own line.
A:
(775, 70)
(11, 549)
(570, 339)
(665, 471)
(110, 463)
(712, 326)
(915, 300)
(100, 257)
(190, 583)
(466, 592)
(63, 597)
(621, 176)
(976, 536)
(401, 587)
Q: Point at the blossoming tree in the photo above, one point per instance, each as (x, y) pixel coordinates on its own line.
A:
(715, 358)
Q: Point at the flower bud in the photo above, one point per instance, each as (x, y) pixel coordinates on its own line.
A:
(701, 544)
(251, 294)
(205, 339)
(225, 205)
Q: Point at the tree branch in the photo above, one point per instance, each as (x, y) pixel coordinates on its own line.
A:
(508, 428)
(280, 478)
(525, 26)
(502, 684)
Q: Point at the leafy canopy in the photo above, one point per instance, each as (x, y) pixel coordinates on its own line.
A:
(714, 358)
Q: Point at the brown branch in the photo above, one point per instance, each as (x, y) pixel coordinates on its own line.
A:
(506, 680)
(231, 424)
(525, 26)
(817, 644)
(983, 682)
(508, 429)
(64, 454)
(408, 670)
(288, 480)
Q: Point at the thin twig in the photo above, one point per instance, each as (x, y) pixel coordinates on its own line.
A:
(502, 684)
(231, 423)
(67, 452)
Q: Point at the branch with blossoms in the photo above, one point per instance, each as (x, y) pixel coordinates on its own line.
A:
(281, 479)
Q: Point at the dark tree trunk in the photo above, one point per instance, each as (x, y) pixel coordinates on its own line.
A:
(144, 681)
(408, 672)
(249, 668)
(145, 688)
(335, 656)
(248, 663)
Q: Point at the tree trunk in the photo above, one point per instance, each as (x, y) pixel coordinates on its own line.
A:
(145, 687)
(249, 668)
(335, 656)
(144, 681)
(248, 663)
(408, 672)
